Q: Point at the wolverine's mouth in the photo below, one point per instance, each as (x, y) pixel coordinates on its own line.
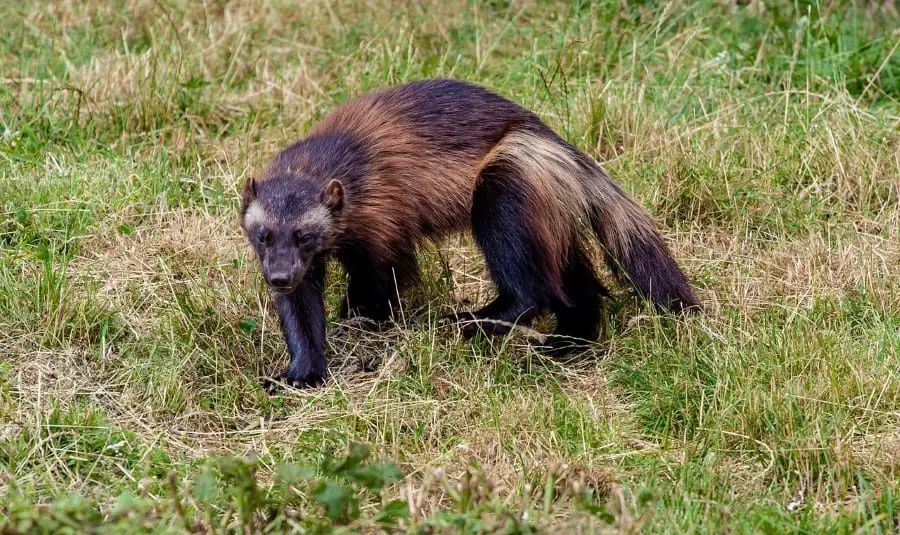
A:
(282, 290)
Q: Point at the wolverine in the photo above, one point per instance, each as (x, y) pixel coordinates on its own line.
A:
(387, 170)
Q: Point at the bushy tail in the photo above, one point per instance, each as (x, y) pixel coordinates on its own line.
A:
(634, 250)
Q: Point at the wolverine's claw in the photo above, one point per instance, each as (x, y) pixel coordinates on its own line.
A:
(274, 385)
(465, 321)
(453, 318)
(269, 384)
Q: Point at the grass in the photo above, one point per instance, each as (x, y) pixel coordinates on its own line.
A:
(764, 139)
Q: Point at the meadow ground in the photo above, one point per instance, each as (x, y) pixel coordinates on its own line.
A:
(764, 138)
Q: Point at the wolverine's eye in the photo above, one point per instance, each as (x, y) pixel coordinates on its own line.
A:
(305, 239)
(264, 237)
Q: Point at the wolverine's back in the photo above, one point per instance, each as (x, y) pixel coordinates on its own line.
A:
(408, 156)
(446, 115)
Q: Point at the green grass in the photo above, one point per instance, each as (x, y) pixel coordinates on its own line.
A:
(764, 139)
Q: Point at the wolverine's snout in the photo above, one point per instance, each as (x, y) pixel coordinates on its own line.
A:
(284, 277)
(281, 279)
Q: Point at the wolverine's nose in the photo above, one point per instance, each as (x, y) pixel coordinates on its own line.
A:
(280, 280)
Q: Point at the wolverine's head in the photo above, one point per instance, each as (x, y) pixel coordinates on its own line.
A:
(291, 223)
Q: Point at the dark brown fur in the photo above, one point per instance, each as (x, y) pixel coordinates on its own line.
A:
(440, 156)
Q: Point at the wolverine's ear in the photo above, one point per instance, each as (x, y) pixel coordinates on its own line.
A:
(333, 197)
(249, 192)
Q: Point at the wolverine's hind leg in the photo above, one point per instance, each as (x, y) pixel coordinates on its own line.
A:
(501, 217)
(578, 320)
(373, 287)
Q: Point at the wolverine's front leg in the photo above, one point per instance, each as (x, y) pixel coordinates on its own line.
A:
(302, 315)
(373, 286)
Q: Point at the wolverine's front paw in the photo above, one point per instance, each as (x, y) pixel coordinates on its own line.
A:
(274, 385)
